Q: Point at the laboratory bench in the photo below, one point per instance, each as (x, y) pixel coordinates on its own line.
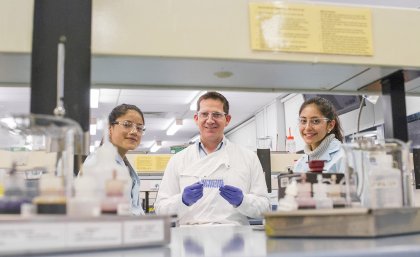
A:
(224, 240)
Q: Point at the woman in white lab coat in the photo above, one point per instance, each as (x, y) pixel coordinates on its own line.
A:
(126, 128)
(320, 128)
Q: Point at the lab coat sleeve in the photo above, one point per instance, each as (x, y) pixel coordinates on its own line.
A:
(257, 200)
(169, 197)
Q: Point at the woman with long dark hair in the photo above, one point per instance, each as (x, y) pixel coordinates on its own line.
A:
(320, 129)
(126, 127)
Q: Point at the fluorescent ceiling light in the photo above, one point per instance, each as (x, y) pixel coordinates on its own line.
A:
(193, 105)
(92, 148)
(92, 129)
(174, 127)
(94, 98)
(156, 146)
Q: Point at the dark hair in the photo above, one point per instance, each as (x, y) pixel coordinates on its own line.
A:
(122, 109)
(214, 96)
(327, 109)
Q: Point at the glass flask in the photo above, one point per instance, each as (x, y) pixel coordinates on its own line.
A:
(378, 174)
(37, 151)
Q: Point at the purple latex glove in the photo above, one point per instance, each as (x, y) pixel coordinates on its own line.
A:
(192, 193)
(232, 194)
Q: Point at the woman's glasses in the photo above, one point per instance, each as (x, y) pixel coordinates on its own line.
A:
(312, 122)
(129, 125)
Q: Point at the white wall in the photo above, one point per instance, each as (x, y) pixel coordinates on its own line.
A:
(291, 114)
(269, 122)
(245, 135)
(412, 104)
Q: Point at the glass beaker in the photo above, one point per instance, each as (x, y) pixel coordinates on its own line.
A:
(378, 173)
(264, 143)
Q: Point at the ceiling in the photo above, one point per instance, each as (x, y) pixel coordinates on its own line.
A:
(165, 87)
(143, 82)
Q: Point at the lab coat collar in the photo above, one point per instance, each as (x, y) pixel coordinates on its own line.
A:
(119, 160)
(334, 146)
(202, 151)
(210, 163)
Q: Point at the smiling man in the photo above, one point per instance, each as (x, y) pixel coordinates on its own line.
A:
(213, 181)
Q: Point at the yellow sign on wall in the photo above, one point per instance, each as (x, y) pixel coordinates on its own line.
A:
(151, 163)
(307, 28)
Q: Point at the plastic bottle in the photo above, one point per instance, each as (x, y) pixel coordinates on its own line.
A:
(304, 194)
(51, 199)
(290, 143)
(334, 192)
(14, 193)
(114, 190)
(86, 202)
(320, 195)
(288, 203)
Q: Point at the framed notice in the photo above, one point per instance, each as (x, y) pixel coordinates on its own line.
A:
(151, 162)
(279, 26)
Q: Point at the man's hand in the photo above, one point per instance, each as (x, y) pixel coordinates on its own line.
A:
(192, 193)
(232, 194)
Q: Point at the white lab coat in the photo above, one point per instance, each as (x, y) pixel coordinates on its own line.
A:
(234, 164)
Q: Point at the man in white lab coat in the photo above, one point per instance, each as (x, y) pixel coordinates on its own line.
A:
(213, 181)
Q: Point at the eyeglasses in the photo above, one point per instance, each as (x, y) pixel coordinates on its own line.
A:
(214, 115)
(312, 122)
(129, 125)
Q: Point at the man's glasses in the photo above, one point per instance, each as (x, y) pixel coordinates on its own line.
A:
(129, 125)
(214, 115)
(312, 122)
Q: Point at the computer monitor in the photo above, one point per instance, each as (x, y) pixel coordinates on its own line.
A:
(265, 160)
